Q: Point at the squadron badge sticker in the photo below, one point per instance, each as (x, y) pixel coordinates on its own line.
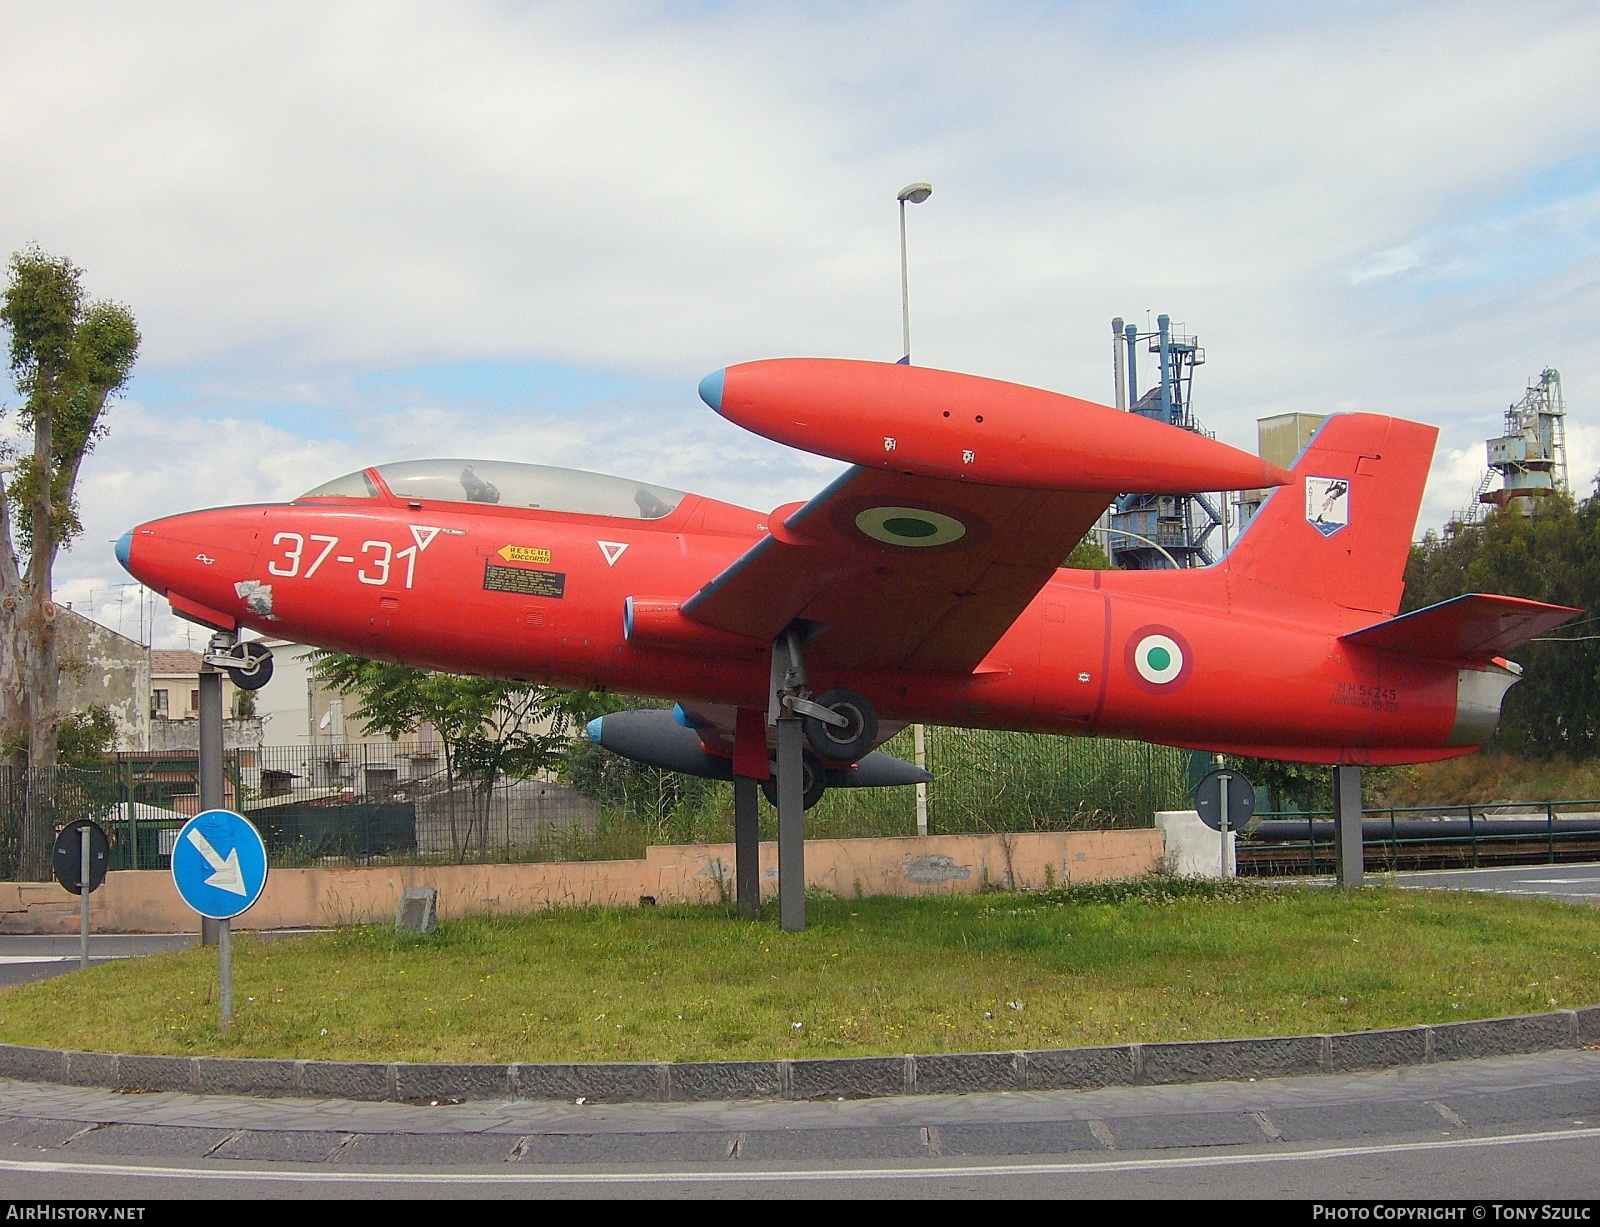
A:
(1327, 504)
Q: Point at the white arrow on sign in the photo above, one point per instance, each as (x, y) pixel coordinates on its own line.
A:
(227, 876)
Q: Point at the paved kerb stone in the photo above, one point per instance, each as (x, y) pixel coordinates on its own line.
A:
(1230, 1060)
(1500, 1037)
(427, 1082)
(597, 1081)
(959, 1073)
(702, 1080)
(245, 1076)
(1075, 1069)
(345, 1080)
(847, 1077)
(135, 1072)
(1379, 1049)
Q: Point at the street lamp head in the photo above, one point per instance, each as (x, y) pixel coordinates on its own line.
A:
(916, 193)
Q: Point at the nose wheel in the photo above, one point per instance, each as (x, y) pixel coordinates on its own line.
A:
(248, 664)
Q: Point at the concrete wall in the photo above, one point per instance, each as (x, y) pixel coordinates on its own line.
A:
(100, 667)
(1194, 850)
(184, 735)
(144, 901)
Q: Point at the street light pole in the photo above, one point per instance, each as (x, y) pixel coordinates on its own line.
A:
(915, 193)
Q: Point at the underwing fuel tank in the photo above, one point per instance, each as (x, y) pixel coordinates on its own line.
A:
(933, 423)
(657, 739)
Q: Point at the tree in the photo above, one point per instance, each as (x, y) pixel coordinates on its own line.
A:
(1552, 555)
(491, 730)
(68, 356)
(1088, 555)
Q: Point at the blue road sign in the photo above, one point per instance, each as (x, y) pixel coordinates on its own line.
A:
(219, 864)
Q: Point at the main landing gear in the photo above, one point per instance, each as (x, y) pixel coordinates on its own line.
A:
(840, 726)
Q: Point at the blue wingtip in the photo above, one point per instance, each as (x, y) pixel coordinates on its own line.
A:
(711, 389)
(592, 729)
(124, 548)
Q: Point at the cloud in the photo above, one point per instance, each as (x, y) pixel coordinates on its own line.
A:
(324, 214)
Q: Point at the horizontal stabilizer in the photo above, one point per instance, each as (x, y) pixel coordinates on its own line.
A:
(1476, 626)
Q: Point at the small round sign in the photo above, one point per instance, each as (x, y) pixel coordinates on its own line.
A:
(1240, 794)
(219, 864)
(67, 861)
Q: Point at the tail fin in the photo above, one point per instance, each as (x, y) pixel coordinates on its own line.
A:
(1342, 531)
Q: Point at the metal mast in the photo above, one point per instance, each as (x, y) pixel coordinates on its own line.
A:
(1154, 531)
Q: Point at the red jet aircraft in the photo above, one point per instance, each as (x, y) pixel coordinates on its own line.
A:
(924, 584)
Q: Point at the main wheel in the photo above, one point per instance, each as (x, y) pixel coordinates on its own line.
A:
(815, 782)
(256, 671)
(850, 743)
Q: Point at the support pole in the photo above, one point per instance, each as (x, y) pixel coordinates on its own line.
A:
(225, 959)
(919, 742)
(791, 826)
(212, 793)
(1348, 850)
(85, 876)
(746, 847)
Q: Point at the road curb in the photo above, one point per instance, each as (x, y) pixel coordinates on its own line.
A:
(815, 1078)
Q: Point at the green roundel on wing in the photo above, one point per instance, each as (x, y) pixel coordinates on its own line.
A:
(904, 526)
(910, 527)
(1159, 658)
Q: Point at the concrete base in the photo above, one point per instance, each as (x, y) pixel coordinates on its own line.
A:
(1194, 850)
(144, 901)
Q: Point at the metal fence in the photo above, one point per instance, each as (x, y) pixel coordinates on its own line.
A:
(342, 803)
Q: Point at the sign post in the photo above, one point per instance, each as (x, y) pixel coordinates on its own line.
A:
(83, 902)
(1224, 799)
(81, 855)
(219, 865)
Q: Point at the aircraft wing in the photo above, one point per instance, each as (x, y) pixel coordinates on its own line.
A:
(965, 496)
(883, 599)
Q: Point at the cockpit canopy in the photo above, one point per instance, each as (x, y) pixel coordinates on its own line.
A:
(509, 484)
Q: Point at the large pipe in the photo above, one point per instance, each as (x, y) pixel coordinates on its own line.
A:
(1163, 327)
(1116, 363)
(1131, 333)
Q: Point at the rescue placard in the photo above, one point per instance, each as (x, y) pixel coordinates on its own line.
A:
(523, 581)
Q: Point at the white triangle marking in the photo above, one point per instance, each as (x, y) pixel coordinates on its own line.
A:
(612, 550)
(423, 536)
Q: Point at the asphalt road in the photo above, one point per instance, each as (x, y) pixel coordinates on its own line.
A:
(25, 958)
(1572, 883)
(1516, 1127)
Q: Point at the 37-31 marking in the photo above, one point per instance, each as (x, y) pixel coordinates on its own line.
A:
(377, 558)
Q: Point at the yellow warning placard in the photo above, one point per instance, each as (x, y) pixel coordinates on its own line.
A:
(524, 553)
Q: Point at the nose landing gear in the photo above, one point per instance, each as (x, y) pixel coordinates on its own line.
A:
(248, 664)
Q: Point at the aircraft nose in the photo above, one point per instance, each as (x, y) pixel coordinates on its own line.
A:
(711, 389)
(124, 548)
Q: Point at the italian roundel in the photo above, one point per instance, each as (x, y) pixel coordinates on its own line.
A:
(1158, 659)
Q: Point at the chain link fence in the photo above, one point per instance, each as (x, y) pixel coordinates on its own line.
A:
(350, 803)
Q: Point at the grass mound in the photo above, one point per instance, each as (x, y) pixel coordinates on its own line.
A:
(1156, 959)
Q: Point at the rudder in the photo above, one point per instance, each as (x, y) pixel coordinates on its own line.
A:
(1342, 531)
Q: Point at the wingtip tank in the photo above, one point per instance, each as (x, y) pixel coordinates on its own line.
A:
(950, 425)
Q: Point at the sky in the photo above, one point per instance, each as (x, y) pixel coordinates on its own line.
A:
(355, 233)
